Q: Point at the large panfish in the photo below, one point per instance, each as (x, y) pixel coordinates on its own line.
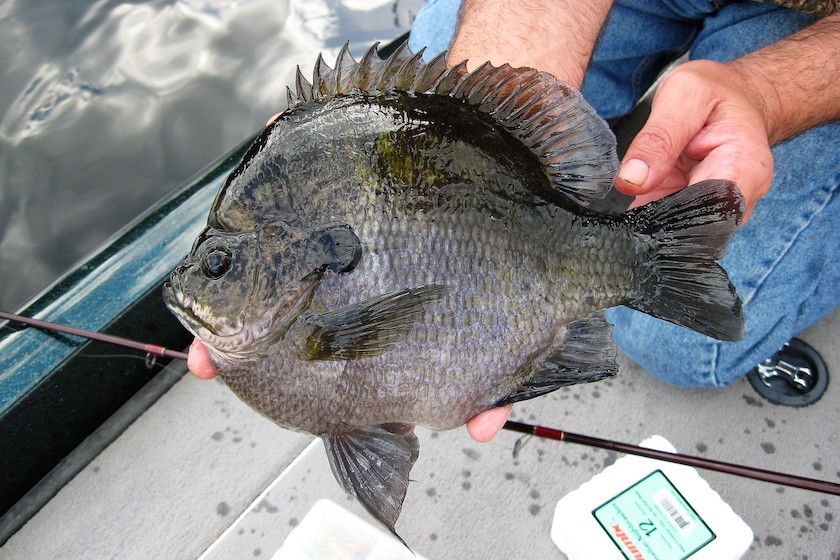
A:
(410, 244)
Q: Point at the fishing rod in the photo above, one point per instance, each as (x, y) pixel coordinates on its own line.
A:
(783, 479)
(152, 349)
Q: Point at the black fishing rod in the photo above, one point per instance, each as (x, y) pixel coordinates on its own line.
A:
(783, 479)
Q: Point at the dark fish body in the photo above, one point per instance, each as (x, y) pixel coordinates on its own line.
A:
(515, 270)
(408, 244)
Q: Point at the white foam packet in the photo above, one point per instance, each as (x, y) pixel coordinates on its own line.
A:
(330, 532)
(650, 509)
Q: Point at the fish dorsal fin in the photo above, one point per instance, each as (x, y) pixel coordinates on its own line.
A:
(549, 117)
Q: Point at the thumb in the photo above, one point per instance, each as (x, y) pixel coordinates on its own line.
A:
(199, 361)
(655, 150)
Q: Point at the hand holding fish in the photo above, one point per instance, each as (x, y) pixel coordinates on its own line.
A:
(705, 122)
(719, 120)
(199, 362)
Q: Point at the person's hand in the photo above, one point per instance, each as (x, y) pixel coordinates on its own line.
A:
(484, 426)
(481, 428)
(199, 362)
(706, 122)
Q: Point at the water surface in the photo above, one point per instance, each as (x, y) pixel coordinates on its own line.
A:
(108, 106)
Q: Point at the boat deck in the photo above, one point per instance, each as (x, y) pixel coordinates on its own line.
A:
(200, 475)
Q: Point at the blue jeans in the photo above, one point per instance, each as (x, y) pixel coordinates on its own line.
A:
(784, 261)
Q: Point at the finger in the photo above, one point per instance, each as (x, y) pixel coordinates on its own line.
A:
(273, 118)
(484, 426)
(747, 162)
(674, 120)
(653, 195)
(198, 361)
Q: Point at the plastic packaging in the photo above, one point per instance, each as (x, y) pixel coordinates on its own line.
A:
(641, 508)
(330, 532)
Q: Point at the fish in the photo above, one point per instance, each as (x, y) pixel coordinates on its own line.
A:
(412, 243)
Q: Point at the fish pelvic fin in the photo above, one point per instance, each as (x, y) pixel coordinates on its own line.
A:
(688, 231)
(586, 354)
(368, 328)
(550, 117)
(372, 465)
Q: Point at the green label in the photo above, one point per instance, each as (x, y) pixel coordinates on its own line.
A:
(651, 520)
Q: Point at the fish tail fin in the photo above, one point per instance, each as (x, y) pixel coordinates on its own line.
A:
(687, 232)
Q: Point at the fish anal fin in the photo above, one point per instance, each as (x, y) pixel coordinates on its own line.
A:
(373, 465)
(367, 328)
(587, 353)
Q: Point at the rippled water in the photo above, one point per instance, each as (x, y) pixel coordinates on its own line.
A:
(105, 107)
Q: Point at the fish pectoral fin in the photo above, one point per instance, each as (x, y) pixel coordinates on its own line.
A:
(587, 353)
(372, 465)
(367, 328)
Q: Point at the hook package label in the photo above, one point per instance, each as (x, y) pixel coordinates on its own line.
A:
(651, 519)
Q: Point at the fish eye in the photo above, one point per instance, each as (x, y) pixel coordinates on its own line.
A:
(216, 262)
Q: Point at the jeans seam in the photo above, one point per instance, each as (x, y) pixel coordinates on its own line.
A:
(809, 218)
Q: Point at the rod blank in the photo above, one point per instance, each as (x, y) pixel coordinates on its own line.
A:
(101, 337)
(690, 460)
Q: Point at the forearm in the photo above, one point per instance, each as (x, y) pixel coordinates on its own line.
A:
(557, 36)
(795, 81)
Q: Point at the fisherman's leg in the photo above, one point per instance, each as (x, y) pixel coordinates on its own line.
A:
(638, 41)
(782, 262)
(743, 27)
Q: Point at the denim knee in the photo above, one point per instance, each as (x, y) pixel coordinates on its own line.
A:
(674, 354)
(783, 262)
(434, 27)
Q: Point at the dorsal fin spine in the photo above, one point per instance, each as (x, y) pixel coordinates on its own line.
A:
(470, 82)
(431, 75)
(480, 87)
(393, 67)
(322, 75)
(451, 78)
(407, 75)
(365, 69)
(548, 116)
(345, 66)
(303, 87)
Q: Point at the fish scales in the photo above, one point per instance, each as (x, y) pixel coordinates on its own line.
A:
(409, 244)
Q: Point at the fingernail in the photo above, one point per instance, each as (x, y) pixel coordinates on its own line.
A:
(634, 171)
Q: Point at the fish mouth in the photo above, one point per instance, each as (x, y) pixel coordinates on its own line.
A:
(241, 340)
(181, 304)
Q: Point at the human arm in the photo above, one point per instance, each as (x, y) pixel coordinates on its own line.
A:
(556, 36)
(718, 121)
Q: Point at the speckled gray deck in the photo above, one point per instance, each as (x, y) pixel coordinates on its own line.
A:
(189, 477)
